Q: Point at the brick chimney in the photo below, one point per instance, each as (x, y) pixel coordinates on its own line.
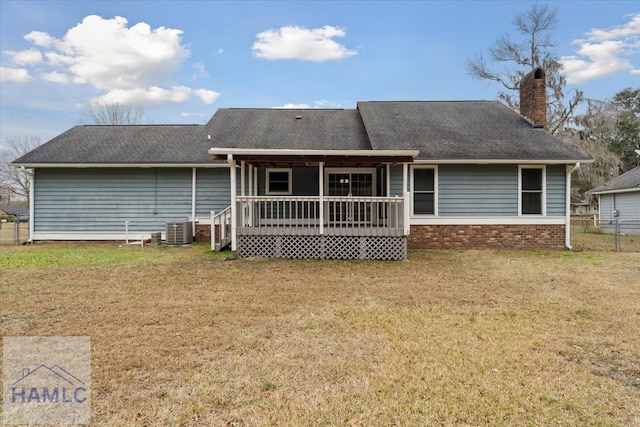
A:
(533, 98)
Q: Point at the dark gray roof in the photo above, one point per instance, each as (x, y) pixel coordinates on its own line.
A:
(441, 130)
(138, 144)
(318, 129)
(627, 181)
(460, 130)
(14, 210)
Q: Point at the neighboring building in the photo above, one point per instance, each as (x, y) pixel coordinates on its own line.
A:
(354, 183)
(14, 211)
(619, 200)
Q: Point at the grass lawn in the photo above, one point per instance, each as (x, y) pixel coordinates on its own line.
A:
(182, 337)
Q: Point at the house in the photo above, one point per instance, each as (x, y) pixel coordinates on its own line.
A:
(619, 200)
(22, 214)
(368, 182)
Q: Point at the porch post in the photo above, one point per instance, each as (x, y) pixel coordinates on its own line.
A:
(250, 179)
(407, 198)
(234, 219)
(388, 180)
(321, 193)
(242, 171)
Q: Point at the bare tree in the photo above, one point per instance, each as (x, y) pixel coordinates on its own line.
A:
(535, 49)
(16, 180)
(106, 113)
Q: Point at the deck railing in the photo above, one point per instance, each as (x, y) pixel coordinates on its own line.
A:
(220, 229)
(311, 215)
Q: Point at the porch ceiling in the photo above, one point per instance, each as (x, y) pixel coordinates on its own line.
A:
(315, 160)
(350, 158)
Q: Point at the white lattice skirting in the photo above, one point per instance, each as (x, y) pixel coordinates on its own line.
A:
(323, 247)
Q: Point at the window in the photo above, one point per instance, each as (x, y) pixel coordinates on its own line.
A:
(278, 181)
(532, 191)
(423, 186)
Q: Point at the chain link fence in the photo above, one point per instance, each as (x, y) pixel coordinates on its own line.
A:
(14, 231)
(587, 234)
(591, 234)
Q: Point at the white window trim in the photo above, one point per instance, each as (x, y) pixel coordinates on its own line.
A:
(435, 190)
(328, 171)
(267, 180)
(544, 189)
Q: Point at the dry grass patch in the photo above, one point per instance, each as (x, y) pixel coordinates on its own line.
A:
(182, 337)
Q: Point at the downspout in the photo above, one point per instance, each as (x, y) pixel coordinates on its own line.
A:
(567, 226)
(193, 201)
(232, 181)
(32, 210)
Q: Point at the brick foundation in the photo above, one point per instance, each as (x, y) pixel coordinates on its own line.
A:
(467, 236)
(486, 237)
(203, 233)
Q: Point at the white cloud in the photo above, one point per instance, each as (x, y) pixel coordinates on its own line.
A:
(129, 65)
(157, 95)
(25, 57)
(56, 77)
(293, 42)
(207, 96)
(40, 38)
(293, 106)
(605, 52)
(15, 75)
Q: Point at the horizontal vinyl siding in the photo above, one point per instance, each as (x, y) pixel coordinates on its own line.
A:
(395, 183)
(212, 191)
(628, 204)
(556, 190)
(477, 190)
(101, 200)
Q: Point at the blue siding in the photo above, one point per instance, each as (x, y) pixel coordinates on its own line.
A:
(628, 207)
(556, 190)
(102, 199)
(212, 191)
(478, 190)
(395, 188)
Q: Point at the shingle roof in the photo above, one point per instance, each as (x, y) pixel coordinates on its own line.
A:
(319, 129)
(441, 130)
(460, 130)
(14, 210)
(129, 144)
(629, 180)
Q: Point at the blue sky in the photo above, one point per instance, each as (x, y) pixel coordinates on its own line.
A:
(183, 60)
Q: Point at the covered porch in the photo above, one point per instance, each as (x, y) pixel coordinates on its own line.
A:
(332, 204)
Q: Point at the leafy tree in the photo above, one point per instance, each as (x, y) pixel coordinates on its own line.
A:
(106, 113)
(592, 135)
(16, 180)
(533, 49)
(626, 139)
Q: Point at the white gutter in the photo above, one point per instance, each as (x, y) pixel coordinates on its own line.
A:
(121, 165)
(622, 190)
(194, 181)
(289, 152)
(496, 162)
(567, 226)
(32, 205)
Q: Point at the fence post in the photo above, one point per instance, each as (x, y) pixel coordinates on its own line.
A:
(16, 234)
(617, 239)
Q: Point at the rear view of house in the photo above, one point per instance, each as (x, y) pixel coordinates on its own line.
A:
(368, 182)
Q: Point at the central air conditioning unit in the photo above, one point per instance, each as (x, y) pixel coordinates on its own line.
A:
(179, 233)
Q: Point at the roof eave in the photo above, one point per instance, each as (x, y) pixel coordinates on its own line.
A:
(504, 161)
(120, 165)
